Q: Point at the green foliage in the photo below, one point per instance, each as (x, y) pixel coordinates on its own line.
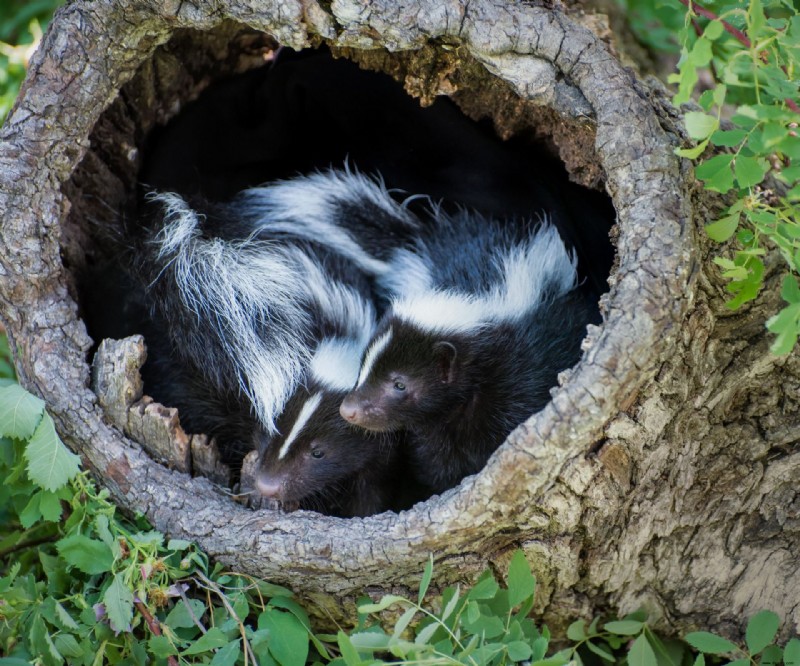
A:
(21, 24)
(760, 647)
(751, 54)
(80, 584)
(486, 625)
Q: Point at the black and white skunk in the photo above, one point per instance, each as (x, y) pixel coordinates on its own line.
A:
(243, 288)
(492, 313)
(321, 462)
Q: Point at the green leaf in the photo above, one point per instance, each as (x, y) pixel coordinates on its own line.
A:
(786, 325)
(489, 626)
(485, 588)
(31, 513)
(180, 617)
(424, 636)
(700, 125)
(716, 173)
(227, 655)
(791, 653)
(519, 650)
(539, 647)
(624, 627)
(577, 631)
(288, 641)
(101, 524)
(451, 605)
(68, 646)
(20, 412)
(728, 138)
(40, 639)
(161, 647)
(65, 618)
(641, 653)
(370, 640)
(349, 653)
(790, 291)
(709, 643)
(600, 652)
(50, 464)
(701, 54)
(771, 656)
(382, 605)
(692, 153)
(427, 574)
(178, 544)
(87, 555)
(403, 622)
(521, 582)
(723, 229)
(686, 80)
(714, 30)
(761, 630)
(213, 639)
(749, 171)
(50, 506)
(756, 20)
(118, 600)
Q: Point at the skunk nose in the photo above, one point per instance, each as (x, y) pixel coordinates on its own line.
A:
(350, 410)
(268, 487)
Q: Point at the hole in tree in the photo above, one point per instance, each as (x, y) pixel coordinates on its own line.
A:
(300, 114)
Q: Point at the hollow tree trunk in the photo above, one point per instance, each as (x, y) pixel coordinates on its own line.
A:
(663, 473)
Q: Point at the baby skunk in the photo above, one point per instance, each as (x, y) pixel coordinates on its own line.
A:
(321, 462)
(491, 315)
(243, 286)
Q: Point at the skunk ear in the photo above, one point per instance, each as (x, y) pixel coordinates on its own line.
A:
(446, 355)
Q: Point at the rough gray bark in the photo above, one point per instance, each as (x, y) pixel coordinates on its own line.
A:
(664, 472)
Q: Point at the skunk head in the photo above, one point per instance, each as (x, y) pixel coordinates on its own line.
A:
(315, 453)
(408, 375)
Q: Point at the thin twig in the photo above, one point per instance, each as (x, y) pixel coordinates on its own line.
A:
(210, 584)
(190, 611)
(707, 13)
(22, 545)
(154, 626)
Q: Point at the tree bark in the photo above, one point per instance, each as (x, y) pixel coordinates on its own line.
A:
(664, 472)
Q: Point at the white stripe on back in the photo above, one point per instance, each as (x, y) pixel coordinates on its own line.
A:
(533, 272)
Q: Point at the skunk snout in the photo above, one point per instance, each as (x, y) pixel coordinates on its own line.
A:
(269, 487)
(351, 410)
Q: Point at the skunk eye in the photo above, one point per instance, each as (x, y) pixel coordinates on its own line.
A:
(317, 453)
(400, 386)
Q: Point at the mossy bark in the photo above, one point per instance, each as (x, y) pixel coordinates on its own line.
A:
(663, 473)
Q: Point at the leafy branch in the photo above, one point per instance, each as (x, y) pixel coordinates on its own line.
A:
(757, 66)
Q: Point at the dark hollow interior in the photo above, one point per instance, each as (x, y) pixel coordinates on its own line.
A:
(294, 114)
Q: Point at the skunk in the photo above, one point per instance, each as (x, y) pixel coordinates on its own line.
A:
(321, 462)
(243, 287)
(306, 110)
(491, 314)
